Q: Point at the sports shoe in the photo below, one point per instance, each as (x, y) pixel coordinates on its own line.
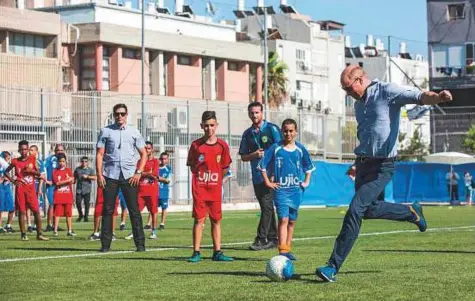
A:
(41, 237)
(49, 228)
(122, 227)
(153, 236)
(2, 230)
(258, 245)
(79, 219)
(419, 218)
(60, 229)
(86, 219)
(94, 237)
(219, 256)
(326, 273)
(147, 227)
(130, 236)
(24, 237)
(195, 257)
(34, 227)
(114, 238)
(30, 229)
(71, 233)
(55, 234)
(162, 227)
(289, 256)
(9, 230)
(140, 249)
(272, 244)
(104, 250)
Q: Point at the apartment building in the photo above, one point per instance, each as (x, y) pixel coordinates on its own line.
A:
(451, 41)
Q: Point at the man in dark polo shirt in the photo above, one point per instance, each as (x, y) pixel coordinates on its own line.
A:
(255, 140)
(84, 176)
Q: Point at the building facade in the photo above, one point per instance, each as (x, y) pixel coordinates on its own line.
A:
(451, 41)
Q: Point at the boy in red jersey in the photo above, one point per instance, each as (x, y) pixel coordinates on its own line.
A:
(63, 180)
(26, 171)
(148, 188)
(209, 160)
(98, 215)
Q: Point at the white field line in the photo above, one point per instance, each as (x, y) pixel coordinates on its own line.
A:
(227, 244)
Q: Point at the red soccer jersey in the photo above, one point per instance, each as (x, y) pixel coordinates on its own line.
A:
(149, 186)
(21, 166)
(207, 162)
(62, 194)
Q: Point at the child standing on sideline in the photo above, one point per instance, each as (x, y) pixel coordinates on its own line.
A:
(289, 162)
(63, 180)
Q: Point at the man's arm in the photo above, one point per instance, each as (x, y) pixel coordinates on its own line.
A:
(433, 98)
(99, 161)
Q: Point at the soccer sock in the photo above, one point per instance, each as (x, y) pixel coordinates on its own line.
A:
(96, 233)
(283, 248)
(9, 225)
(162, 224)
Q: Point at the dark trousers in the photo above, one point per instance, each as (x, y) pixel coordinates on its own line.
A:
(130, 195)
(87, 202)
(372, 176)
(453, 192)
(267, 229)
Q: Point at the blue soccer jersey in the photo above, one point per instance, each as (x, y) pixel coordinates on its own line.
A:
(165, 172)
(288, 166)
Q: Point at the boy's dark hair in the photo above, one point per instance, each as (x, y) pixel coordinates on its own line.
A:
(207, 115)
(289, 121)
(149, 143)
(120, 106)
(23, 142)
(4, 154)
(61, 156)
(84, 158)
(255, 104)
(164, 154)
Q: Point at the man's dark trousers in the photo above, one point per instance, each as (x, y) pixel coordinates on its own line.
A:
(130, 195)
(372, 176)
(87, 202)
(267, 229)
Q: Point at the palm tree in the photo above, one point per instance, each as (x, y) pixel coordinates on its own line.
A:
(277, 81)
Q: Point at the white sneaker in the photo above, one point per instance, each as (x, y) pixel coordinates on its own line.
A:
(153, 236)
(114, 238)
(130, 236)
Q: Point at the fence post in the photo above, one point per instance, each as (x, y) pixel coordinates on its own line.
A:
(229, 143)
(340, 135)
(43, 129)
(94, 117)
(325, 136)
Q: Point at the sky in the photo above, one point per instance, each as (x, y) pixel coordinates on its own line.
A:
(405, 19)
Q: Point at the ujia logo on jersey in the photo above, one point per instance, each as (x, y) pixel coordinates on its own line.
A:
(208, 177)
(289, 181)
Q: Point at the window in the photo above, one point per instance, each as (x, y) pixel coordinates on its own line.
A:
(88, 68)
(470, 58)
(129, 53)
(184, 60)
(105, 68)
(66, 78)
(233, 66)
(302, 58)
(27, 44)
(455, 11)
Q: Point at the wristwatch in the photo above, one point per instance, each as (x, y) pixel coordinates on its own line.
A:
(139, 172)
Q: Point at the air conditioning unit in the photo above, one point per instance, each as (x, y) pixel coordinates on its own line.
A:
(318, 106)
(113, 2)
(179, 118)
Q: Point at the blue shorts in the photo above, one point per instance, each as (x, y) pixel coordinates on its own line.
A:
(285, 211)
(50, 194)
(6, 198)
(163, 204)
(41, 198)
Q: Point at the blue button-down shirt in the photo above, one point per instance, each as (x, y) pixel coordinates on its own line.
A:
(253, 139)
(120, 156)
(378, 115)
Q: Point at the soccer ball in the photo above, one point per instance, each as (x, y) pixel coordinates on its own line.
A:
(279, 268)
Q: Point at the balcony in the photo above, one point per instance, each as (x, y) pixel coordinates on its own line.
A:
(455, 77)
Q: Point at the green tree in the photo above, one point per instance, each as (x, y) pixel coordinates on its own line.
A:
(415, 150)
(277, 81)
(469, 140)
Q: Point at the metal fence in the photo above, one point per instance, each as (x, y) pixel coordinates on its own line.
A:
(75, 120)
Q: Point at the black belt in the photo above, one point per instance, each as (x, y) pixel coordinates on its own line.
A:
(364, 159)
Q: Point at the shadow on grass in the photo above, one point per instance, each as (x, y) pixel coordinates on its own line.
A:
(422, 251)
(182, 259)
(55, 249)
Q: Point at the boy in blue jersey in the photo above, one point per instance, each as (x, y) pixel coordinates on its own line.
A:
(288, 162)
(164, 179)
(6, 194)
